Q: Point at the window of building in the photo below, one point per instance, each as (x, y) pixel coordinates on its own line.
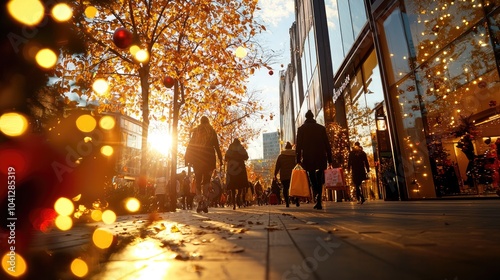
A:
(372, 81)
(358, 14)
(404, 100)
(346, 24)
(434, 24)
(397, 56)
(305, 74)
(296, 95)
(336, 47)
(494, 25)
(312, 50)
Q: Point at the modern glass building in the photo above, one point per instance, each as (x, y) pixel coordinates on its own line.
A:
(416, 82)
(271, 145)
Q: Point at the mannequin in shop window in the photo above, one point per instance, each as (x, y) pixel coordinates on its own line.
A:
(465, 144)
(492, 162)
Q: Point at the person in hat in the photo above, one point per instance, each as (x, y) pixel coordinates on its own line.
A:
(314, 154)
(284, 166)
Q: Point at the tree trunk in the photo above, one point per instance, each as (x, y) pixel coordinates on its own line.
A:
(173, 166)
(144, 75)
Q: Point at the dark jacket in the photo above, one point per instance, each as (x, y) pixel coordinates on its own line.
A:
(313, 149)
(358, 164)
(285, 164)
(236, 172)
(202, 148)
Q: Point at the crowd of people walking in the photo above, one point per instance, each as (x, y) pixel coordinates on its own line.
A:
(230, 186)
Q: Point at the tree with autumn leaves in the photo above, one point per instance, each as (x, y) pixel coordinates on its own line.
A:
(191, 42)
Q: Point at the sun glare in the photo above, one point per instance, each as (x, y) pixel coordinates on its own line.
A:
(160, 142)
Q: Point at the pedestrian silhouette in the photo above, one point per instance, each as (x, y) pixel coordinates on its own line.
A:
(284, 166)
(236, 173)
(359, 167)
(313, 152)
(200, 154)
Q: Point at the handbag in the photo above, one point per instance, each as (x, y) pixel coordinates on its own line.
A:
(299, 182)
(192, 186)
(335, 179)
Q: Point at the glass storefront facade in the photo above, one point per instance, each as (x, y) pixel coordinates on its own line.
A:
(418, 85)
(363, 97)
(443, 89)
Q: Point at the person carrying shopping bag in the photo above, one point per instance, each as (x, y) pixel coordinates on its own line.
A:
(313, 152)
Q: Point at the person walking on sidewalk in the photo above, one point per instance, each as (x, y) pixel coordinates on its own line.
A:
(313, 152)
(160, 192)
(259, 192)
(236, 172)
(358, 166)
(200, 153)
(284, 166)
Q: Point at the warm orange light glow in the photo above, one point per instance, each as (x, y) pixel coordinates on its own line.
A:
(160, 141)
(62, 12)
(79, 268)
(64, 223)
(13, 124)
(96, 215)
(107, 150)
(102, 238)
(100, 86)
(241, 52)
(90, 12)
(134, 49)
(86, 123)
(142, 56)
(133, 204)
(64, 206)
(46, 58)
(108, 217)
(107, 122)
(14, 264)
(29, 12)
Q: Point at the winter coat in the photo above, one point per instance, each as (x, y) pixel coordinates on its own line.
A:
(202, 148)
(285, 164)
(358, 164)
(313, 149)
(236, 172)
(258, 188)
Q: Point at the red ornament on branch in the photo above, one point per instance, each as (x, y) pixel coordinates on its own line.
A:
(122, 38)
(271, 72)
(168, 81)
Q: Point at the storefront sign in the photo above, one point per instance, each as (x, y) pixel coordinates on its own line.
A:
(338, 91)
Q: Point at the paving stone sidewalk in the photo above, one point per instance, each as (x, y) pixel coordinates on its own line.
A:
(343, 241)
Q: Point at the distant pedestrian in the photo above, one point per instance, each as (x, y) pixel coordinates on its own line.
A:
(185, 192)
(236, 172)
(200, 153)
(250, 194)
(259, 192)
(275, 197)
(284, 166)
(160, 191)
(358, 166)
(313, 152)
